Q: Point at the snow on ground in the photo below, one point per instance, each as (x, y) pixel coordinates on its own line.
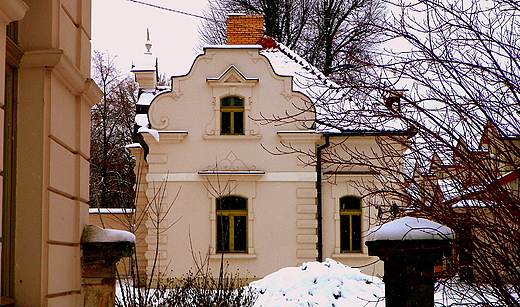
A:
(326, 284)
(332, 284)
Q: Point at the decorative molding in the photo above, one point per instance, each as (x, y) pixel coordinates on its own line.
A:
(208, 56)
(230, 163)
(267, 177)
(214, 136)
(232, 82)
(255, 56)
(232, 76)
(12, 10)
(172, 136)
(308, 136)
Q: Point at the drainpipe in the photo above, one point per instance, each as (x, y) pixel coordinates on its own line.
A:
(319, 201)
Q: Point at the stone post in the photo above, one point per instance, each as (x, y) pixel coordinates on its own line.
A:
(101, 250)
(409, 247)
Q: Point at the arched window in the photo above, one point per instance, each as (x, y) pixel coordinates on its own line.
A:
(231, 224)
(350, 224)
(232, 115)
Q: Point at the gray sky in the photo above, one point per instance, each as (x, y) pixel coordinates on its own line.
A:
(119, 26)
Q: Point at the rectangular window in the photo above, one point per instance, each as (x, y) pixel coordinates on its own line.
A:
(231, 224)
(350, 224)
(232, 115)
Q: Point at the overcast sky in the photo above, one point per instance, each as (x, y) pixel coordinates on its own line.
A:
(119, 26)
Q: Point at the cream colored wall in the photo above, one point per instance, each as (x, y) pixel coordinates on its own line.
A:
(282, 208)
(55, 98)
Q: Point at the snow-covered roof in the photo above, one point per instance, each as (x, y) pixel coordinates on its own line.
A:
(452, 189)
(335, 113)
(95, 234)
(146, 98)
(472, 203)
(145, 62)
(410, 228)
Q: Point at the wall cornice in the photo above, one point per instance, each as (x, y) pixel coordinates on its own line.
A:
(12, 10)
(57, 60)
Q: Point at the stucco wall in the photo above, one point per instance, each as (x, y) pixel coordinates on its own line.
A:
(280, 189)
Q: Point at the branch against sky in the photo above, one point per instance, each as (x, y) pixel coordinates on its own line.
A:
(333, 35)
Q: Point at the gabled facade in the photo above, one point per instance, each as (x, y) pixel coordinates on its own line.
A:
(214, 154)
(45, 97)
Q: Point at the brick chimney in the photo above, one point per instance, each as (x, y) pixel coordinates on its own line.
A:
(244, 29)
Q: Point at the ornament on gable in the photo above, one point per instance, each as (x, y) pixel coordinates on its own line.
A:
(268, 43)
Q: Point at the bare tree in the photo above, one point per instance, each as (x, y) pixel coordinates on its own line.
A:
(449, 76)
(336, 36)
(112, 175)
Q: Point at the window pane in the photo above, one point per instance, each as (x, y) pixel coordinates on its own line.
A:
(231, 203)
(345, 232)
(350, 203)
(238, 123)
(225, 123)
(222, 233)
(356, 232)
(232, 102)
(240, 233)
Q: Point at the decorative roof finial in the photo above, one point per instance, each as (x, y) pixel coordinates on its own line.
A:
(148, 44)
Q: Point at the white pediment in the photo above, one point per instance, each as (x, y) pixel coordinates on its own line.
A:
(232, 76)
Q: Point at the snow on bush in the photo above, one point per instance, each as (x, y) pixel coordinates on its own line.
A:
(326, 284)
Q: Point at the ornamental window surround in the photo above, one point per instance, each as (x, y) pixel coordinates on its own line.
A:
(232, 99)
(231, 116)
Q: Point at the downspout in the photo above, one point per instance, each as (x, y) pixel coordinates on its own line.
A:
(319, 198)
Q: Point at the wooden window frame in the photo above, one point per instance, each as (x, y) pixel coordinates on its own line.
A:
(231, 231)
(350, 213)
(232, 110)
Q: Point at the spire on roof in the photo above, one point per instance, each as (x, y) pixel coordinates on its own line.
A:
(148, 44)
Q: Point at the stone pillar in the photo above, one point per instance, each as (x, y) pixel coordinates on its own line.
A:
(98, 261)
(409, 247)
(409, 270)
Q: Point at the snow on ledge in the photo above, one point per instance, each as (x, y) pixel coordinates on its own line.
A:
(410, 228)
(94, 234)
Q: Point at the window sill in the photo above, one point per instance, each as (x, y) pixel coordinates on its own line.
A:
(7, 301)
(110, 211)
(233, 256)
(232, 137)
(351, 255)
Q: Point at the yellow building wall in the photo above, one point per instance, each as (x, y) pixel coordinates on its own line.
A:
(54, 101)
